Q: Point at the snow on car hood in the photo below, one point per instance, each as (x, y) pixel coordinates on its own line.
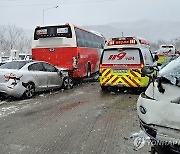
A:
(171, 71)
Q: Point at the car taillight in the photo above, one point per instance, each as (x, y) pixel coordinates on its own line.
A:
(100, 69)
(11, 76)
(74, 62)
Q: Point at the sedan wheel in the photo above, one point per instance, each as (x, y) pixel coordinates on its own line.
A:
(67, 83)
(29, 90)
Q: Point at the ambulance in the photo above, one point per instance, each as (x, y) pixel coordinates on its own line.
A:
(166, 53)
(122, 60)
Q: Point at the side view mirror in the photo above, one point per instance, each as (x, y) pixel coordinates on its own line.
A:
(147, 70)
(159, 64)
(155, 58)
(177, 81)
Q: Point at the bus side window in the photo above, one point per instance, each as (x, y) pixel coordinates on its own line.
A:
(79, 37)
(86, 39)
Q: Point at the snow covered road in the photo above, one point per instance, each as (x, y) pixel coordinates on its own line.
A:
(82, 120)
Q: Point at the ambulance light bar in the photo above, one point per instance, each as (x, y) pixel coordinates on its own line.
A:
(121, 42)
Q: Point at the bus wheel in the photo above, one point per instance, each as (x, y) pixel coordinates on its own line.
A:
(89, 70)
(67, 83)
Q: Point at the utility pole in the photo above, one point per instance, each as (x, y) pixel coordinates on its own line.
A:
(48, 9)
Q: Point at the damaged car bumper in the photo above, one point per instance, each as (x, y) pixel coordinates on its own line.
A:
(12, 88)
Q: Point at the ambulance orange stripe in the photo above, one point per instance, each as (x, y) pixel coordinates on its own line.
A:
(115, 80)
(135, 82)
(104, 83)
(107, 73)
(127, 82)
(103, 71)
(133, 73)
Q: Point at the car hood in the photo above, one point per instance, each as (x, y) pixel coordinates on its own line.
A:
(171, 72)
(162, 108)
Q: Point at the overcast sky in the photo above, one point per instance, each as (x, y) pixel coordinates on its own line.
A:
(29, 13)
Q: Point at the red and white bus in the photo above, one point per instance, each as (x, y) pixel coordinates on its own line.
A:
(68, 46)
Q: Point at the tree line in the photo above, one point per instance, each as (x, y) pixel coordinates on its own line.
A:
(175, 42)
(12, 37)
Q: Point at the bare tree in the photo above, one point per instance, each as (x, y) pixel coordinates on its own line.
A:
(12, 37)
(176, 43)
(154, 46)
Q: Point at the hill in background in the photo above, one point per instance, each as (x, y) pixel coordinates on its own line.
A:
(148, 29)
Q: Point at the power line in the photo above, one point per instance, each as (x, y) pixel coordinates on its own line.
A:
(28, 5)
(65, 3)
(89, 1)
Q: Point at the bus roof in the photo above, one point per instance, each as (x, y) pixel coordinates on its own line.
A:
(89, 31)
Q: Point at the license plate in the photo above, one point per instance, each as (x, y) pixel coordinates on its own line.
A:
(120, 71)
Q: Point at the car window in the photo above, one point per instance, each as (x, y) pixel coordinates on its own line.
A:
(49, 68)
(13, 65)
(36, 67)
(121, 56)
(148, 58)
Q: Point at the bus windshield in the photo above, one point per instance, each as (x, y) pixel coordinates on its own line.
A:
(53, 31)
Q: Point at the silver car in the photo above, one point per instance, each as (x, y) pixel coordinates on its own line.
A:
(24, 78)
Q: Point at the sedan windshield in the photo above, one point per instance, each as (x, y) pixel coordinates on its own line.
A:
(13, 65)
(172, 72)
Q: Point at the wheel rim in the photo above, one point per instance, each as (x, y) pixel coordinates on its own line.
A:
(29, 91)
(68, 84)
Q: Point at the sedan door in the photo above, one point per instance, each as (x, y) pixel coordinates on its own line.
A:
(39, 75)
(54, 77)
